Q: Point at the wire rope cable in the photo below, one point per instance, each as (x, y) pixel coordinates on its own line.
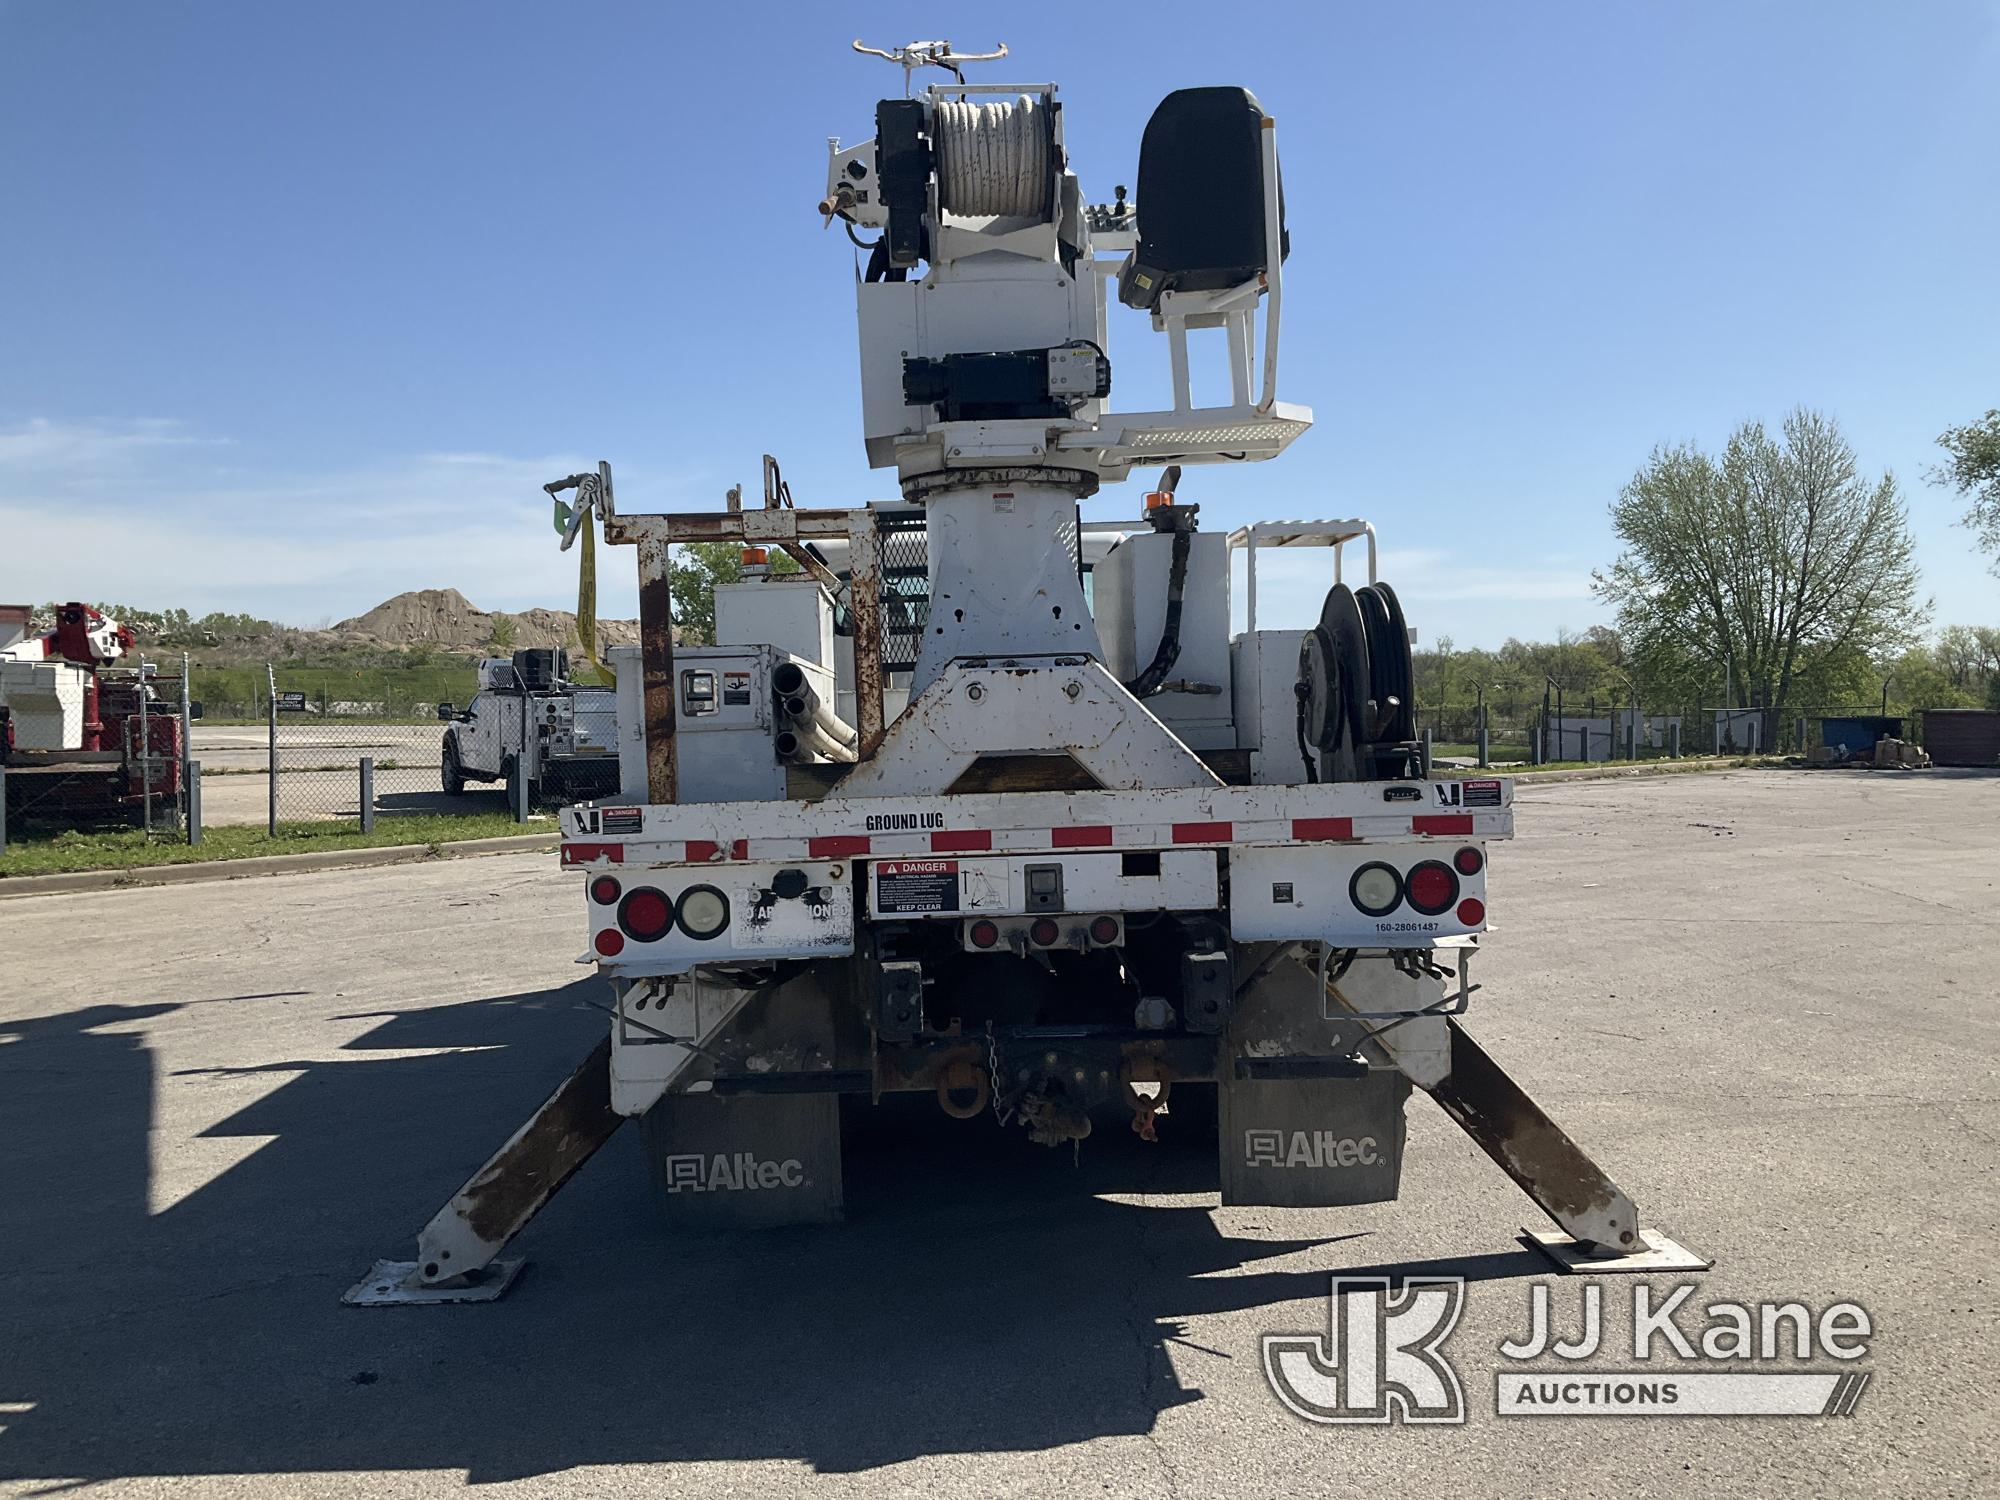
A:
(994, 160)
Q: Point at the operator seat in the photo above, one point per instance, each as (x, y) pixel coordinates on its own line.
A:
(1201, 197)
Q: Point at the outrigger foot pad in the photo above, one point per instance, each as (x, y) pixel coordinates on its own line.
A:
(395, 1283)
(1580, 1258)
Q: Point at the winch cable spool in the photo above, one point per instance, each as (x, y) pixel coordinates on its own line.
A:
(993, 160)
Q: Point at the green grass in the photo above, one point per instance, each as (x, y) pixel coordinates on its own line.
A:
(129, 849)
(1502, 754)
(1690, 761)
(1515, 758)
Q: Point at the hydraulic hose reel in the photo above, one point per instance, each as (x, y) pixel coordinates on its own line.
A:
(1356, 689)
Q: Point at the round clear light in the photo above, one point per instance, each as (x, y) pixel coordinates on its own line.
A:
(703, 911)
(1376, 889)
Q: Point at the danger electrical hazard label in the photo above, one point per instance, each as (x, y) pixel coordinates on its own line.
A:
(1482, 794)
(907, 887)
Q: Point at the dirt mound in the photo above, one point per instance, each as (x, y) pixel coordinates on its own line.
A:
(445, 620)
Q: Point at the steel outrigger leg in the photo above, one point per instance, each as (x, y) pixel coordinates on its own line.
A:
(1599, 1224)
(457, 1252)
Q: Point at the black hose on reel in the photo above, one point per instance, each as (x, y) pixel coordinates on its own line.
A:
(1355, 682)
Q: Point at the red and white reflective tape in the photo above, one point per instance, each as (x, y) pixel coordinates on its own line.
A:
(1386, 828)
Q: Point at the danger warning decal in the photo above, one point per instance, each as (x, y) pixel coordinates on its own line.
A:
(1482, 794)
(908, 887)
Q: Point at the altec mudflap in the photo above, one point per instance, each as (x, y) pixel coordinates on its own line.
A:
(1333, 928)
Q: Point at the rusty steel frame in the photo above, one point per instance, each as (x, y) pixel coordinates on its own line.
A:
(653, 535)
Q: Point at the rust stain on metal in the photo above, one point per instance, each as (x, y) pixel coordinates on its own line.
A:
(1151, 1062)
(771, 526)
(922, 1067)
(865, 607)
(656, 643)
(564, 1134)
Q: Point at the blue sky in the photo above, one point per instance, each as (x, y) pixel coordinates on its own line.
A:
(302, 303)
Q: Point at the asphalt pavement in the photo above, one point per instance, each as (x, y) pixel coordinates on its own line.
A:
(1758, 998)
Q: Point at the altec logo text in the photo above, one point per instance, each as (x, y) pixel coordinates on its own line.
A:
(731, 1174)
(1307, 1148)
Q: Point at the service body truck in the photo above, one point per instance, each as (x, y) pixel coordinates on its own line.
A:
(528, 710)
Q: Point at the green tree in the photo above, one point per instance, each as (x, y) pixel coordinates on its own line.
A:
(693, 571)
(1973, 469)
(1917, 680)
(1776, 558)
(505, 630)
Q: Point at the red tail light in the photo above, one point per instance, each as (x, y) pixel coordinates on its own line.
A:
(646, 915)
(605, 890)
(1468, 861)
(1104, 930)
(1044, 932)
(1472, 911)
(610, 942)
(983, 934)
(1431, 887)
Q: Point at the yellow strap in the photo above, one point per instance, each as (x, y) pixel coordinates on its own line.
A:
(586, 602)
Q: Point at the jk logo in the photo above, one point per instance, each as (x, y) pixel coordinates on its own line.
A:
(1380, 1359)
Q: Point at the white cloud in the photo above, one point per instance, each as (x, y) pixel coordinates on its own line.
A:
(153, 513)
(70, 453)
(143, 512)
(1292, 583)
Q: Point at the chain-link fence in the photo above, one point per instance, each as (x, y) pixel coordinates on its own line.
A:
(1591, 731)
(351, 748)
(341, 747)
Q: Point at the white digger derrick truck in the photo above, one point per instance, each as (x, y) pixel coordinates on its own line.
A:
(989, 801)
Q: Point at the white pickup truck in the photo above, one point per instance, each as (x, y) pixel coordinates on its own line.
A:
(526, 709)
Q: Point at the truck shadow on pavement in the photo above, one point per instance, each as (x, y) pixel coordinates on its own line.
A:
(979, 1297)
